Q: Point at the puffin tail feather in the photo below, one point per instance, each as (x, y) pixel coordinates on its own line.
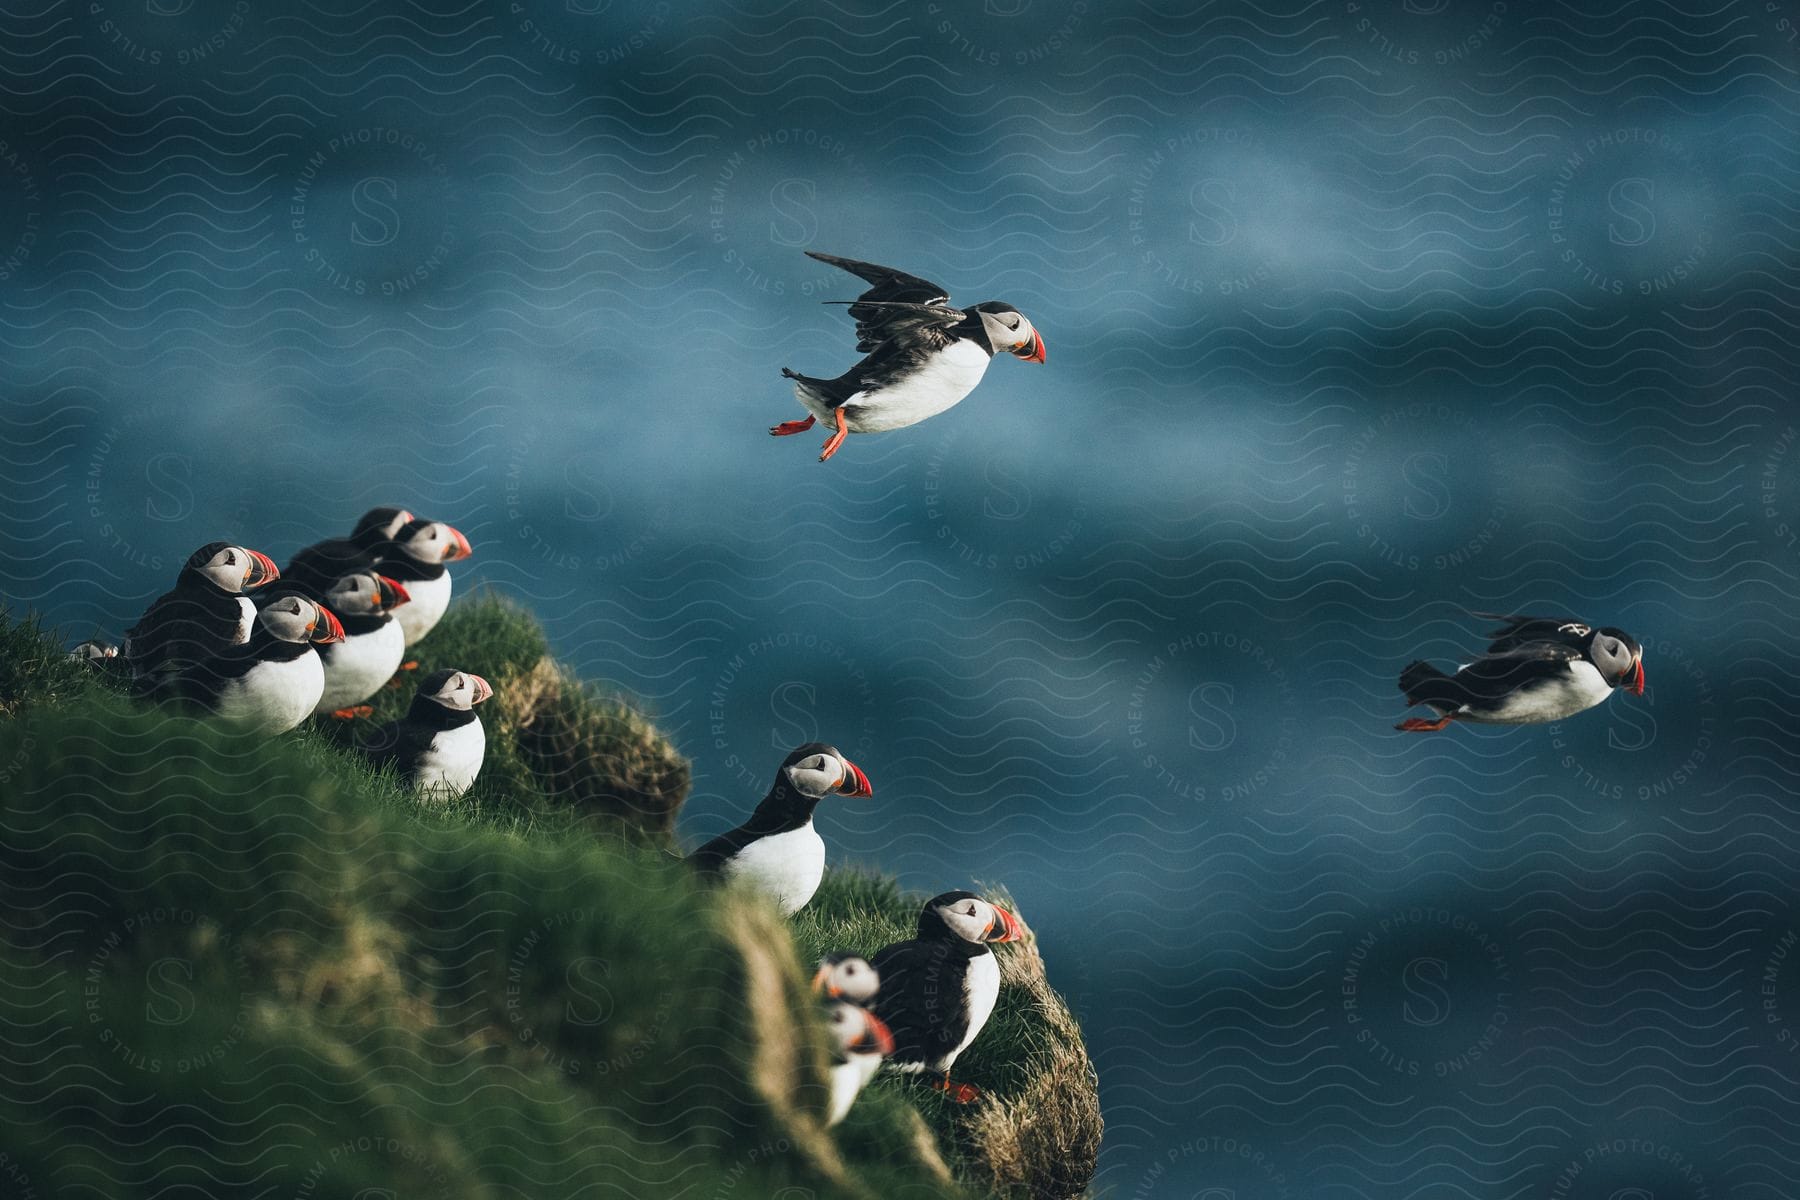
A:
(1425, 684)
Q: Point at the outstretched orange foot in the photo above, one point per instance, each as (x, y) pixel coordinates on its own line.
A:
(791, 427)
(1421, 725)
(957, 1093)
(837, 439)
(354, 712)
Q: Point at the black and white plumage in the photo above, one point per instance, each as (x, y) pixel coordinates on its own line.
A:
(439, 745)
(356, 668)
(922, 355)
(205, 612)
(860, 1040)
(270, 682)
(938, 990)
(1536, 669)
(322, 564)
(777, 851)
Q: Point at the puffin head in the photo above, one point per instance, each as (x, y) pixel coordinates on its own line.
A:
(844, 976)
(856, 1030)
(1008, 330)
(231, 569)
(294, 618)
(966, 916)
(1618, 658)
(458, 691)
(365, 594)
(379, 525)
(816, 770)
(431, 542)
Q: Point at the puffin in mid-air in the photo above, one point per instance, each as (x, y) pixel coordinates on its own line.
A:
(355, 668)
(1537, 669)
(439, 745)
(922, 355)
(937, 990)
(777, 851)
(859, 1042)
(205, 612)
(270, 682)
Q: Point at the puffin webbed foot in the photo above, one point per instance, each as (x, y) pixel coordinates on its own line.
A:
(837, 439)
(1421, 725)
(788, 428)
(956, 1093)
(352, 713)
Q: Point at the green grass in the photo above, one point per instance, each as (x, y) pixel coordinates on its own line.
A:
(244, 966)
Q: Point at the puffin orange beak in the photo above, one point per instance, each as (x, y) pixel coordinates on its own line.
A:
(820, 986)
(483, 689)
(854, 782)
(876, 1037)
(459, 546)
(392, 592)
(1035, 353)
(333, 628)
(262, 570)
(1637, 681)
(1011, 928)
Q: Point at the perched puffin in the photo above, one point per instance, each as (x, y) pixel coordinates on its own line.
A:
(923, 356)
(415, 557)
(777, 850)
(1536, 669)
(322, 564)
(938, 990)
(859, 1041)
(845, 976)
(94, 651)
(270, 682)
(204, 612)
(373, 645)
(438, 745)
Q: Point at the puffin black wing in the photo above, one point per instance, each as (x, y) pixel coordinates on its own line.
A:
(400, 742)
(1490, 679)
(897, 307)
(314, 569)
(920, 1000)
(711, 858)
(1516, 632)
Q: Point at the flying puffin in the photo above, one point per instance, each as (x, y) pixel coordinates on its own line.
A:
(355, 668)
(923, 356)
(322, 564)
(204, 612)
(439, 744)
(270, 682)
(1537, 669)
(777, 850)
(938, 990)
(859, 1041)
(415, 557)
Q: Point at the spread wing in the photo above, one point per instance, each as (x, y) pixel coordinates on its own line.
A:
(1516, 632)
(896, 307)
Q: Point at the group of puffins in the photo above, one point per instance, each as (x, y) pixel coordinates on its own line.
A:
(915, 1005)
(267, 648)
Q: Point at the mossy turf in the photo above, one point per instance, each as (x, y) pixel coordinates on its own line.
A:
(244, 966)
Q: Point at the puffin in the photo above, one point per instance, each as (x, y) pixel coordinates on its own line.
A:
(846, 976)
(270, 682)
(937, 990)
(204, 612)
(922, 356)
(438, 746)
(416, 558)
(777, 851)
(1535, 670)
(860, 1040)
(322, 564)
(355, 668)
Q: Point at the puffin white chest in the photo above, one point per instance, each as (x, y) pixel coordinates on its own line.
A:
(981, 991)
(787, 867)
(940, 382)
(1554, 697)
(848, 1079)
(274, 696)
(246, 621)
(449, 765)
(356, 667)
(429, 599)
